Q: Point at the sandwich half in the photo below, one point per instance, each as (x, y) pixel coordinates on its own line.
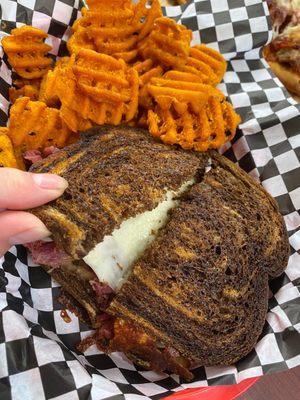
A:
(166, 253)
(283, 56)
(283, 53)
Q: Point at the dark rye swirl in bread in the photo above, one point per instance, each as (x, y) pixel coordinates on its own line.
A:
(197, 292)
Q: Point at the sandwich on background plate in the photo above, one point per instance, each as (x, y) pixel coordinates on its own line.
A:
(283, 53)
(166, 253)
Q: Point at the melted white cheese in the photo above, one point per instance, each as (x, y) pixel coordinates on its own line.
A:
(112, 258)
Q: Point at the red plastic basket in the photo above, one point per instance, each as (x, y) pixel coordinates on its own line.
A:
(229, 392)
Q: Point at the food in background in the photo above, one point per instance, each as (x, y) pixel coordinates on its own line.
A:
(283, 53)
(283, 56)
(284, 14)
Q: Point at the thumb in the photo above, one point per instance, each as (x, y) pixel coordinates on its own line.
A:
(21, 190)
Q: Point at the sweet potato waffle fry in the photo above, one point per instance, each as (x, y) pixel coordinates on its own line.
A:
(59, 89)
(175, 122)
(101, 77)
(108, 31)
(208, 64)
(27, 51)
(195, 94)
(193, 115)
(91, 88)
(107, 80)
(168, 43)
(33, 126)
(113, 28)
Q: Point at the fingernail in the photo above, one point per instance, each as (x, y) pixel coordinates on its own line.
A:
(31, 235)
(50, 181)
(47, 239)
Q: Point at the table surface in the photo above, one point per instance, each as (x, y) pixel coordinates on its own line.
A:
(283, 386)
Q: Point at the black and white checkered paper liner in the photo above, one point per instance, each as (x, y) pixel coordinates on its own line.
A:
(38, 359)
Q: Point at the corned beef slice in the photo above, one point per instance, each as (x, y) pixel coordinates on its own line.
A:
(34, 156)
(47, 253)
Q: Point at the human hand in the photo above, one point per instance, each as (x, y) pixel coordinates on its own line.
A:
(20, 191)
